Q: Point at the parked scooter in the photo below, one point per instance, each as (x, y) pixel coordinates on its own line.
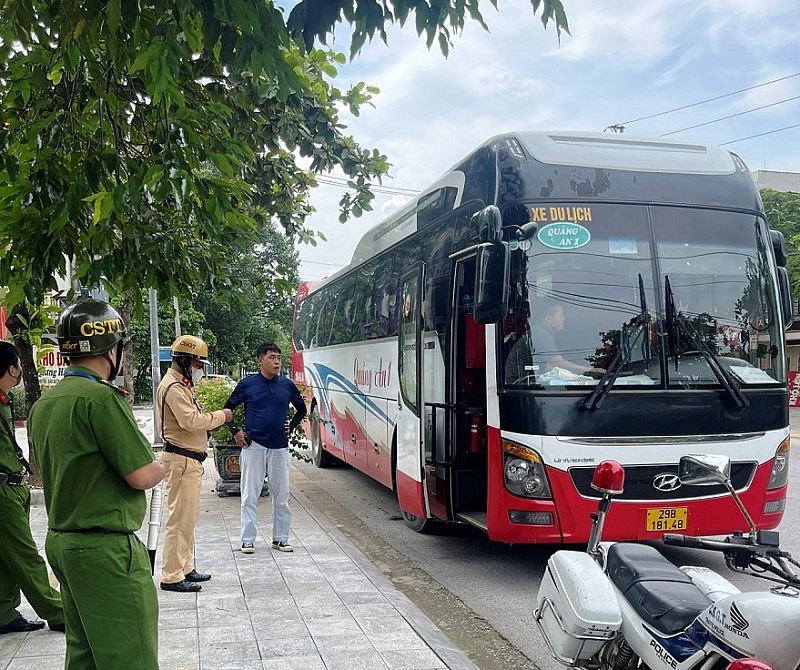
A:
(623, 605)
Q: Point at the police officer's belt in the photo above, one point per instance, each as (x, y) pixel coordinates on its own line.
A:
(94, 529)
(13, 478)
(189, 453)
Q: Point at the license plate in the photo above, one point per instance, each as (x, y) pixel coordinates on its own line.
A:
(666, 519)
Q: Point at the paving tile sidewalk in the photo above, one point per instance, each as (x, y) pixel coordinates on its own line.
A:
(322, 607)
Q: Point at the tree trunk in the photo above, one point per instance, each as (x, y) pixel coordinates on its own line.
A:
(17, 326)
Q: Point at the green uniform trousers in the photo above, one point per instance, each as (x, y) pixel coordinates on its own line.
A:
(21, 566)
(110, 601)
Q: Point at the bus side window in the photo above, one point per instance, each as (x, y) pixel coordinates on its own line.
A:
(364, 319)
(323, 325)
(389, 275)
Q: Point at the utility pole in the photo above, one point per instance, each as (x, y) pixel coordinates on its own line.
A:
(177, 316)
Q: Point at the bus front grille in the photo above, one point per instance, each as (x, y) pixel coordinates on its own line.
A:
(659, 482)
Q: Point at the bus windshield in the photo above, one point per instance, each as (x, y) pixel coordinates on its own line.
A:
(659, 294)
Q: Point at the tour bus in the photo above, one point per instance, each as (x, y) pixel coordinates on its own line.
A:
(557, 299)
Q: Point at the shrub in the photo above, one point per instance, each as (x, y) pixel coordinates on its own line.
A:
(212, 395)
(20, 406)
(143, 389)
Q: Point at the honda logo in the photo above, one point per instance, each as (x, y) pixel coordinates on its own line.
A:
(666, 481)
(738, 620)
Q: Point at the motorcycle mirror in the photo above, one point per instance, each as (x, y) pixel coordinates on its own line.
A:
(609, 478)
(704, 469)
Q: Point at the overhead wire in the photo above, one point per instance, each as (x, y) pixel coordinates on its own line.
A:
(716, 97)
(731, 116)
(769, 132)
(339, 182)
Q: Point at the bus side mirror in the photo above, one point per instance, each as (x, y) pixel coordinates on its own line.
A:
(778, 247)
(491, 282)
(787, 309)
(489, 222)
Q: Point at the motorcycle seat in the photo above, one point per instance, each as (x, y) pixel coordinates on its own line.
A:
(663, 595)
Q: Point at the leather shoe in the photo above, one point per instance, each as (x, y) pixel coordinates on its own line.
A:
(182, 586)
(21, 625)
(57, 627)
(195, 576)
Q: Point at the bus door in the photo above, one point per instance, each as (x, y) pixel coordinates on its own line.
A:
(423, 442)
(409, 477)
(468, 393)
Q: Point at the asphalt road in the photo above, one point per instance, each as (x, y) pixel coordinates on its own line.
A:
(480, 593)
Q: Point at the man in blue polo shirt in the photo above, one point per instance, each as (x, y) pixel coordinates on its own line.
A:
(265, 444)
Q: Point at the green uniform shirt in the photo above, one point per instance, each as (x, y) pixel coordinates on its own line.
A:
(85, 440)
(8, 455)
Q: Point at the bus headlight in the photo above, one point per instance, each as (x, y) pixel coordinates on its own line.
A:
(516, 469)
(780, 467)
(523, 471)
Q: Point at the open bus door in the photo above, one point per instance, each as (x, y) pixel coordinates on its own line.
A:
(424, 462)
(409, 473)
(468, 391)
(441, 430)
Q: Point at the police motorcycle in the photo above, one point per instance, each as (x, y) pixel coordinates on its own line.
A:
(622, 605)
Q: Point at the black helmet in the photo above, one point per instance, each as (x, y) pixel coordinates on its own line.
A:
(89, 328)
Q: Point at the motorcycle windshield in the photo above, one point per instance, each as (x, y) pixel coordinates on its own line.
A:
(589, 294)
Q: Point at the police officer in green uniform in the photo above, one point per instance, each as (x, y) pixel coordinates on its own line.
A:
(21, 566)
(96, 465)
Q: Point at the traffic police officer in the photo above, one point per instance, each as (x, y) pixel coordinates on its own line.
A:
(96, 465)
(21, 566)
(184, 430)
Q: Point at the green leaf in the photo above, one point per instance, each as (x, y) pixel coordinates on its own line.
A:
(130, 11)
(146, 57)
(103, 205)
(113, 14)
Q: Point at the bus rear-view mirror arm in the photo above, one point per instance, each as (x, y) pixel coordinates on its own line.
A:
(526, 231)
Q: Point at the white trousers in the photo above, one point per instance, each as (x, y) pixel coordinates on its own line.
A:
(256, 462)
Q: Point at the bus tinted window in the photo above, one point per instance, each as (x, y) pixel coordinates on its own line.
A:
(584, 291)
(719, 269)
(574, 295)
(342, 309)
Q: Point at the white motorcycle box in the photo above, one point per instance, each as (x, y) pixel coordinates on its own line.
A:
(576, 608)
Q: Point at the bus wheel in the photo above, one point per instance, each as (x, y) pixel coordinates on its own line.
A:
(416, 523)
(320, 457)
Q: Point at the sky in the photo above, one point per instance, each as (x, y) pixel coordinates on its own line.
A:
(625, 62)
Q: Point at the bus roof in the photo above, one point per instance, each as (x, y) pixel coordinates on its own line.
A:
(625, 152)
(569, 148)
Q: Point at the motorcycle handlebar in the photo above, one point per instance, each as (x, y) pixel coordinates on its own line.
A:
(683, 540)
(712, 545)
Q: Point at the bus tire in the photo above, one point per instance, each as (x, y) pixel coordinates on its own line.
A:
(417, 524)
(320, 457)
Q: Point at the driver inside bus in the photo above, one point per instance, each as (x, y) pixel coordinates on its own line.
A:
(536, 351)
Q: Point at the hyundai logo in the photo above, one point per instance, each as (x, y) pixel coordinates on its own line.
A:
(666, 481)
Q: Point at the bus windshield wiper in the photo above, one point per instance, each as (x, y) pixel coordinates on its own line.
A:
(670, 314)
(622, 355)
(676, 323)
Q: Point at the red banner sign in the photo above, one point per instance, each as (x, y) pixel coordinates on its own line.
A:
(794, 389)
